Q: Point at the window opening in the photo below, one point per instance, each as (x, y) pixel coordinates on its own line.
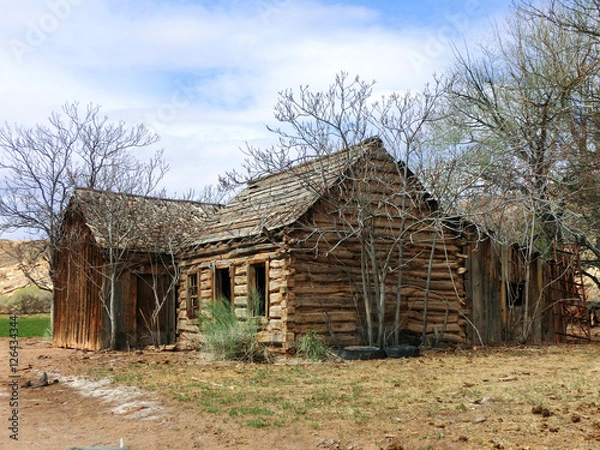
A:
(258, 288)
(223, 285)
(516, 294)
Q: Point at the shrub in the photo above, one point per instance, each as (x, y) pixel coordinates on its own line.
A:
(310, 347)
(226, 336)
(29, 300)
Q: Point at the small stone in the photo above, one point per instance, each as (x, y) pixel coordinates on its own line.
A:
(545, 412)
(479, 420)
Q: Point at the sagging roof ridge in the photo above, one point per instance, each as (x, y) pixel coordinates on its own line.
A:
(147, 197)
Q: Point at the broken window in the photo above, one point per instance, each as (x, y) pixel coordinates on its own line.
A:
(258, 288)
(192, 294)
(223, 285)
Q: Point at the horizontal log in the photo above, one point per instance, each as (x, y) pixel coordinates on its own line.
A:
(435, 285)
(432, 305)
(423, 265)
(319, 290)
(187, 327)
(432, 318)
(278, 263)
(240, 290)
(274, 325)
(274, 337)
(274, 312)
(351, 268)
(416, 293)
(320, 278)
(309, 303)
(277, 274)
(275, 298)
(451, 329)
(324, 317)
(241, 301)
(275, 285)
(435, 275)
(336, 327)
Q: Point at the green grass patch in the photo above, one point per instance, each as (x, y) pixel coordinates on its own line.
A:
(35, 325)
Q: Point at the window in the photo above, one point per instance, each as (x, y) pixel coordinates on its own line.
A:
(223, 285)
(192, 294)
(516, 294)
(258, 288)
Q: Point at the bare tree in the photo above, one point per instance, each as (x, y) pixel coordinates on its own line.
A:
(521, 113)
(580, 18)
(378, 202)
(79, 147)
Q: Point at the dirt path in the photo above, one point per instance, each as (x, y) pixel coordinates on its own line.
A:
(71, 413)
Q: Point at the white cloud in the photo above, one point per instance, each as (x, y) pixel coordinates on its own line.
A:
(206, 78)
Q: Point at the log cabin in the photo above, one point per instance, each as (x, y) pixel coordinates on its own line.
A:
(349, 246)
(305, 247)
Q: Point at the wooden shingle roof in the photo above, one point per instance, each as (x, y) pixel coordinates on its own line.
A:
(140, 223)
(280, 199)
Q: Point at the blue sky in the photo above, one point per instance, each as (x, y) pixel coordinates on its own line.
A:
(205, 75)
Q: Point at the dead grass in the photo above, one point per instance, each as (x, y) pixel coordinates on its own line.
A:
(493, 398)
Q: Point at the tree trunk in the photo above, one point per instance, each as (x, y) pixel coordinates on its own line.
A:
(112, 313)
(366, 292)
(427, 289)
(399, 292)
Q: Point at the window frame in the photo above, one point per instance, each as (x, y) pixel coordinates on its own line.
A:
(192, 293)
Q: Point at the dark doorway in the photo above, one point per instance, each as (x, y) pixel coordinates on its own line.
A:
(223, 285)
(150, 289)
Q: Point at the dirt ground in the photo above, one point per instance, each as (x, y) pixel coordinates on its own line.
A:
(60, 416)
(539, 398)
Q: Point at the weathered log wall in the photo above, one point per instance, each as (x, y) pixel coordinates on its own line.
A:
(329, 278)
(433, 287)
(279, 278)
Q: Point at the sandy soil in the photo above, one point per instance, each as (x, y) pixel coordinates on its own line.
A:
(539, 398)
(72, 413)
